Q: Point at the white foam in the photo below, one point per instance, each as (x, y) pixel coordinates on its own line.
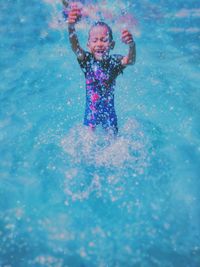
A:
(99, 149)
(99, 162)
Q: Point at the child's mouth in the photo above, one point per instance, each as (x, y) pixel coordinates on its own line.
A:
(100, 53)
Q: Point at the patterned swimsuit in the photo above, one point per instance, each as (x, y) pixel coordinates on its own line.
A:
(100, 83)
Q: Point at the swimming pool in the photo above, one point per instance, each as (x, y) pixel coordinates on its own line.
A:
(72, 198)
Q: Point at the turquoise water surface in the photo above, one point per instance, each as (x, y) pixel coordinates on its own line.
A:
(72, 198)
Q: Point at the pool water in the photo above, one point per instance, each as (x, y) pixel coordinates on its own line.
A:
(74, 198)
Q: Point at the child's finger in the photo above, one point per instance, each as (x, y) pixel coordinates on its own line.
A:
(130, 41)
(127, 40)
(124, 34)
(74, 14)
(72, 19)
(75, 11)
(127, 37)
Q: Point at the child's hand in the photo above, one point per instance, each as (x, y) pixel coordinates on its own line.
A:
(127, 37)
(74, 14)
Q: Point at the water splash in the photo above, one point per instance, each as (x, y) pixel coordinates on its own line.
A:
(102, 164)
(117, 15)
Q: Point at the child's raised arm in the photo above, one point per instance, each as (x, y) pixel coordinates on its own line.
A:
(127, 38)
(73, 16)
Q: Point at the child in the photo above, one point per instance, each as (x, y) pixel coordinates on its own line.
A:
(101, 69)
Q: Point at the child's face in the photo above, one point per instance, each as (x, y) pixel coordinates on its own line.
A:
(99, 42)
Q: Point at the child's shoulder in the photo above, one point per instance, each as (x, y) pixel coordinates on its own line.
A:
(116, 63)
(115, 60)
(87, 57)
(116, 57)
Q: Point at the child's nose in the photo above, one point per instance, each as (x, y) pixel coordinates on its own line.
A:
(100, 43)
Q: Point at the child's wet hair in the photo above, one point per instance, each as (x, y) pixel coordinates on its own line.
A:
(103, 24)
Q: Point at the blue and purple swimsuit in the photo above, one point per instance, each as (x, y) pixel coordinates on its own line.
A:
(100, 83)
